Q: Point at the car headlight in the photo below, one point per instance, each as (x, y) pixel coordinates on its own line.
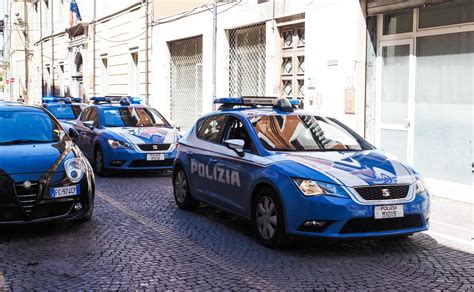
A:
(420, 186)
(119, 144)
(75, 169)
(312, 188)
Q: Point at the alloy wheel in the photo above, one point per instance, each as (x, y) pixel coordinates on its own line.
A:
(266, 217)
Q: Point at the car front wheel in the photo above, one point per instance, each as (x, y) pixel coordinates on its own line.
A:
(268, 221)
(99, 162)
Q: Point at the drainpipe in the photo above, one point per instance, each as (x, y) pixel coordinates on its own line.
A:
(214, 53)
(147, 99)
(25, 14)
(94, 48)
(52, 47)
(41, 44)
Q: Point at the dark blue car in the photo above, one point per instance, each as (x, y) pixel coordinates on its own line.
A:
(43, 175)
(293, 172)
(121, 134)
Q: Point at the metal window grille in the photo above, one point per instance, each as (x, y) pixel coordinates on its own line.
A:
(186, 81)
(247, 60)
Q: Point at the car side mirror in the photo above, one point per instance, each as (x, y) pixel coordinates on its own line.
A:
(237, 145)
(89, 124)
(73, 134)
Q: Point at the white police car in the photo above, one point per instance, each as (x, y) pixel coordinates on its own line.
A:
(292, 172)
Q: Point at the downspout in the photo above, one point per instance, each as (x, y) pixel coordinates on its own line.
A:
(25, 13)
(147, 99)
(41, 43)
(52, 48)
(93, 48)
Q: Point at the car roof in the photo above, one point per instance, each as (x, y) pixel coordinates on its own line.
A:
(260, 111)
(118, 105)
(62, 103)
(19, 108)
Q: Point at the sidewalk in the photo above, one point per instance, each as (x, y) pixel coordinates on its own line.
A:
(451, 191)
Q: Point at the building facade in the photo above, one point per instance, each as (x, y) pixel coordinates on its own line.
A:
(399, 72)
(105, 51)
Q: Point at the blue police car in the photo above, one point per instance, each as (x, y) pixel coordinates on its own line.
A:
(121, 134)
(295, 173)
(43, 175)
(65, 109)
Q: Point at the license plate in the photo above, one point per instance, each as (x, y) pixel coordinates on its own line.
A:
(65, 191)
(388, 211)
(151, 157)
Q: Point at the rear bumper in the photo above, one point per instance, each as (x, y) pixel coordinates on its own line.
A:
(344, 218)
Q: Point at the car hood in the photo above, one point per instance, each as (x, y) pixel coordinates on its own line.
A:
(357, 168)
(145, 135)
(34, 158)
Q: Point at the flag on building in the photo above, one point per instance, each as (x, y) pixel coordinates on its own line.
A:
(74, 9)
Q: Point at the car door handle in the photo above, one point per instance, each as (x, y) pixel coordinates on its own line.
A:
(212, 161)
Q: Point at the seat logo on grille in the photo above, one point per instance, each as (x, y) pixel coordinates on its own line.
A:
(385, 193)
(155, 147)
(27, 184)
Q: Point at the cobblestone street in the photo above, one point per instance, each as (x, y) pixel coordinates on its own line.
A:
(139, 239)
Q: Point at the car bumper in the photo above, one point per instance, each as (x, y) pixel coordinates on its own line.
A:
(45, 208)
(124, 159)
(340, 217)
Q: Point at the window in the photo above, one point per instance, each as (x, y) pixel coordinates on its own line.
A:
(132, 117)
(304, 133)
(134, 75)
(104, 76)
(212, 129)
(455, 12)
(398, 22)
(94, 117)
(237, 131)
(61, 80)
(292, 70)
(85, 114)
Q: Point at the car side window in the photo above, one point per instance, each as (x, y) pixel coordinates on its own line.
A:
(237, 130)
(85, 114)
(212, 129)
(94, 117)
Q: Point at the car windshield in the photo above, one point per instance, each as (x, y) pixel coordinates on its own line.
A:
(132, 117)
(303, 133)
(28, 127)
(65, 111)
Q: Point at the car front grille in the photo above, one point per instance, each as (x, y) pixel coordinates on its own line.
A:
(154, 147)
(152, 163)
(27, 196)
(360, 225)
(392, 192)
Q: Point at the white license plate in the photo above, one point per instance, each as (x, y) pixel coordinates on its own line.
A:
(388, 211)
(64, 191)
(151, 157)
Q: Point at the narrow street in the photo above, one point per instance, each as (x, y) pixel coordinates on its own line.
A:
(139, 239)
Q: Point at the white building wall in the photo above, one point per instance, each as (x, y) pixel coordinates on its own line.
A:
(335, 56)
(335, 35)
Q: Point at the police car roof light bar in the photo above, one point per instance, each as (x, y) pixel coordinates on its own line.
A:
(282, 104)
(124, 101)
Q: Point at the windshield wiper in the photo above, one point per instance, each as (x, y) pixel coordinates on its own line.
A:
(24, 141)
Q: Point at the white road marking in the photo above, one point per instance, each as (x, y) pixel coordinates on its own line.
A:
(469, 243)
(451, 225)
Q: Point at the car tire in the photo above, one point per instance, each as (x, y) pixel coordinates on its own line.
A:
(99, 162)
(268, 219)
(182, 194)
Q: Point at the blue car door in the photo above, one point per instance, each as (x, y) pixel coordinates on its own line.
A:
(235, 173)
(202, 155)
